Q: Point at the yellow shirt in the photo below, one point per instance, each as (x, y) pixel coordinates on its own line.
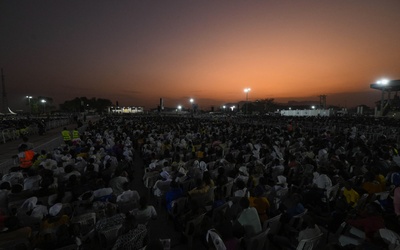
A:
(351, 196)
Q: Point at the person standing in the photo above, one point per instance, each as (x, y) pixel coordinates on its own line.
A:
(75, 135)
(66, 136)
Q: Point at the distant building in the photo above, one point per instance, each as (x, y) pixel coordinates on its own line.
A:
(307, 112)
(125, 110)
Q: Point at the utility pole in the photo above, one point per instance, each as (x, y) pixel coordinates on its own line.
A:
(4, 96)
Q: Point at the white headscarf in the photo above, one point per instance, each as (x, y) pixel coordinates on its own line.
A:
(216, 240)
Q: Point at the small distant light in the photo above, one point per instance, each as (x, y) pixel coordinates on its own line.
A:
(313, 107)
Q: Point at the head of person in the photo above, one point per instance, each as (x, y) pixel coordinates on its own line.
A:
(143, 202)
(221, 170)
(199, 183)
(22, 148)
(173, 184)
(129, 223)
(5, 185)
(207, 177)
(244, 202)
(240, 184)
(348, 185)
(309, 221)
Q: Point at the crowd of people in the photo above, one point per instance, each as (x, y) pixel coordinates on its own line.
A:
(220, 178)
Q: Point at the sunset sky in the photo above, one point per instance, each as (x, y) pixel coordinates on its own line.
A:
(136, 52)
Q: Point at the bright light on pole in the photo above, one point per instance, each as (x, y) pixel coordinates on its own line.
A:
(383, 81)
(29, 102)
(44, 104)
(247, 90)
(179, 107)
(191, 100)
(313, 107)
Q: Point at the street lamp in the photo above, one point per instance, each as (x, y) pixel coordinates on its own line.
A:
(179, 107)
(313, 107)
(247, 90)
(192, 104)
(383, 82)
(44, 104)
(29, 102)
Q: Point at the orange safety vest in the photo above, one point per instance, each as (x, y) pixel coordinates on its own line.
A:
(26, 161)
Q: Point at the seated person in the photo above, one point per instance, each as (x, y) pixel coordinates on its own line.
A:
(351, 196)
(369, 221)
(261, 204)
(310, 231)
(128, 195)
(131, 235)
(249, 218)
(174, 193)
(145, 212)
(241, 189)
(201, 188)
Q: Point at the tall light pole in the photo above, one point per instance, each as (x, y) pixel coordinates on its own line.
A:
(247, 90)
(191, 100)
(383, 82)
(44, 104)
(29, 102)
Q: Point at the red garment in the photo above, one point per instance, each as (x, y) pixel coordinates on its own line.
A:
(369, 225)
(26, 162)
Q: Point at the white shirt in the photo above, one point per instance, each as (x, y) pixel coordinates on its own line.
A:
(143, 216)
(32, 182)
(250, 220)
(116, 184)
(322, 181)
(128, 195)
(102, 192)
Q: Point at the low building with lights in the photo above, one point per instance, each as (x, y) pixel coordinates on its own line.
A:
(125, 110)
(307, 112)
